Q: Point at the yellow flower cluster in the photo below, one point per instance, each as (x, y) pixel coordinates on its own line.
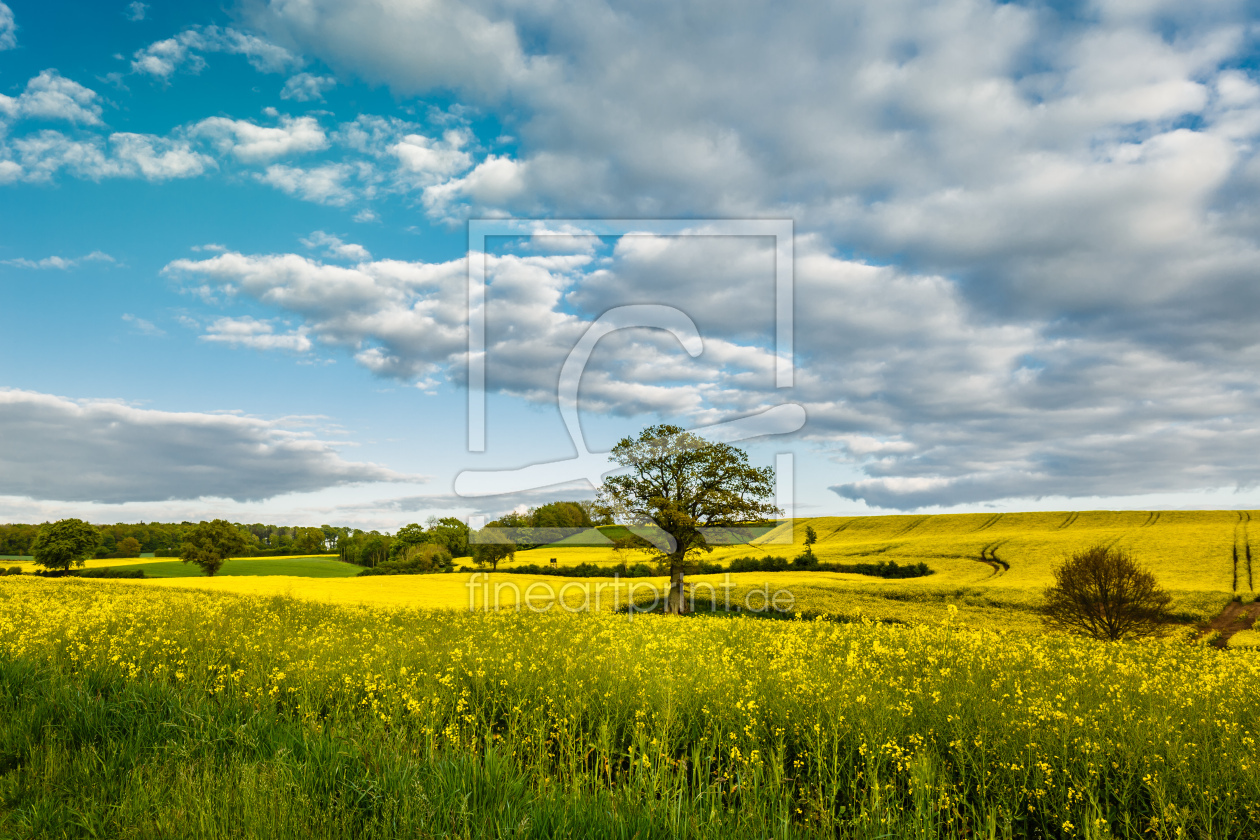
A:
(937, 717)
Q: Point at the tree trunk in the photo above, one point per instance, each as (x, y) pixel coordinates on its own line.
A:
(675, 603)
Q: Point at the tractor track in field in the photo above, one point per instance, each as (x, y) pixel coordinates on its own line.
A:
(1069, 520)
(1242, 551)
(910, 527)
(989, 523)
(1152, 518)
(988, 556)
(840, 528)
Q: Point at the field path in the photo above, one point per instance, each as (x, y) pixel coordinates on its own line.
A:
(1233, 618)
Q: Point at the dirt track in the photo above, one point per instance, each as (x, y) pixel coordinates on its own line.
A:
(1233, 618)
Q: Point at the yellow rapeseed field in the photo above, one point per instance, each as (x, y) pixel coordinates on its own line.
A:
(829, 724)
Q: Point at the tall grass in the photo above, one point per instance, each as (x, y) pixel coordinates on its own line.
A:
(274, 717)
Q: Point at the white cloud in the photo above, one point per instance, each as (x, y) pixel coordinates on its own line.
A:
(364, 215)
(321, 184)
(142, 326)
(495, 182)
(256, 334)
(136, 10)
(8, 29)
(56, 262)
(398, 318)
(306, 87)
(252, 143)
(157, 158)
(425, 161)
(51, 96)
(440, 44)
(56, 448)
(44, 153)
(334, 247)
(162, 59)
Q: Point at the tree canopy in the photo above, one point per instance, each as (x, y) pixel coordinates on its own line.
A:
(210, 544)
(684, 484)
(65, 543)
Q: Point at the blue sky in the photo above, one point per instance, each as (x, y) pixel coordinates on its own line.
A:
(232, 248)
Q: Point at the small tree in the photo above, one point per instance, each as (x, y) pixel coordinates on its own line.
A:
(1102, 592)
(210, 544)
(685, 485)
(811, 537)
(129, 547)
(65, 543)
(487, 549)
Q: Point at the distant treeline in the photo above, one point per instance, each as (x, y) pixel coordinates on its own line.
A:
(409, 551)
(166, 539)
(363, 548)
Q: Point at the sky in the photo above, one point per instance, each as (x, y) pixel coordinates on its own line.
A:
(234, 249)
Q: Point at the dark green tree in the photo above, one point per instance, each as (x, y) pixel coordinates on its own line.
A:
(210, 544)
(811, 537)
(65, 543)
(449, 533)
(683, 484)
(491, 545)
(1102, 592)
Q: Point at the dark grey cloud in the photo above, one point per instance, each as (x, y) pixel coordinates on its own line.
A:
(52, 448)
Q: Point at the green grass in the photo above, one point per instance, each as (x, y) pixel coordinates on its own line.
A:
(316, 567)
(92, 755)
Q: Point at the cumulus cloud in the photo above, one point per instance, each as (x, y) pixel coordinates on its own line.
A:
(398, 318)
(307, 87)
(51, 96)
(252, 143)
(8, 29)
(901, 378)
(333, 246)
(43, 154)
(1051, 216)
(256, 334)
(136, 10)
(162, 59)
(55, 448)
(328, 184)
(429, 45)
(56, 262)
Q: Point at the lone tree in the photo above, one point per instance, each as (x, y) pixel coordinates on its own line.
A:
(209, 544)
(684, 484)
(65, 543)
(492, 544)
(1102, 592)
(811, 537)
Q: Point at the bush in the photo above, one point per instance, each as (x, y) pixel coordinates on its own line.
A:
(1102, 592)
(14, 570)
(110, 573)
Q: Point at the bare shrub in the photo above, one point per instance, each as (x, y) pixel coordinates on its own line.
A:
(1102, 592)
